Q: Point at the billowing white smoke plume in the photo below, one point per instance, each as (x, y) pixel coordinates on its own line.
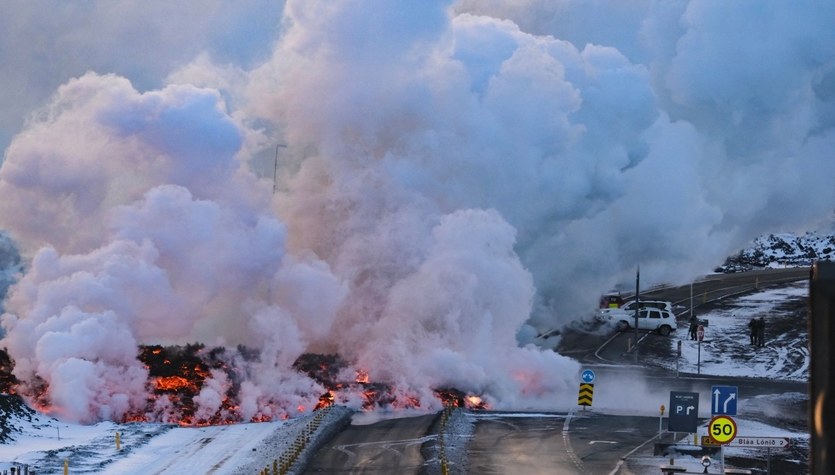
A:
(448, 173)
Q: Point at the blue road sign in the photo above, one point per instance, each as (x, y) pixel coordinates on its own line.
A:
(588, 376)
(723, 400)
(684, 412)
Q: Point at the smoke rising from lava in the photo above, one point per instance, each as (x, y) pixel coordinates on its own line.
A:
(454, 173)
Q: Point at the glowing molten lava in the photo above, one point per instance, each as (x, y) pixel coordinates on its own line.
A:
(179, 375)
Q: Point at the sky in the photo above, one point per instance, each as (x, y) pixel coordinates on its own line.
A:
(421, 182)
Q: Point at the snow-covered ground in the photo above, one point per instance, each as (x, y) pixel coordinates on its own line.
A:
(44, 443)
(727, 350)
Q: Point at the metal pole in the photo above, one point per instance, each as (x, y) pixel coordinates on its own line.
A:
(699, 359)
(678, 356)
(768, 463)
(637, 308)
(691, 299)
(275, 166)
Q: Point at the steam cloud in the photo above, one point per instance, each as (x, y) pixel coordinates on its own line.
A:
(454, 175)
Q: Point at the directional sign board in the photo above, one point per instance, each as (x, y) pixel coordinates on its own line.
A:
(722, 429)
(684, 412)
(723, 400)
(588, 376)
(767, 442)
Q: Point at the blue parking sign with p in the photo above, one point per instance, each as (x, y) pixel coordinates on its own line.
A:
(723, 400)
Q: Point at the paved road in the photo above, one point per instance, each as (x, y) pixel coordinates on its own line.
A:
(386, 447)
(575, 443)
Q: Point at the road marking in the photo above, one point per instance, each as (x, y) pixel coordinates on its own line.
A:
(566, 440)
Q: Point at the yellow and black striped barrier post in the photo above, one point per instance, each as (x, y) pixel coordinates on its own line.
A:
(586, 395)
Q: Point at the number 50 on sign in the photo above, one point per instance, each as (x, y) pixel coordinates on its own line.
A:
(722, 429)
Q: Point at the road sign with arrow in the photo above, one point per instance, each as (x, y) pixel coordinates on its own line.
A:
(762, 442)
(684, 412)
(587, 376)
(723, 400)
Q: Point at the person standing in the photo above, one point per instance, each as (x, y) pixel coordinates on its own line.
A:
(761, 332)
(752, 328)
(694, 326)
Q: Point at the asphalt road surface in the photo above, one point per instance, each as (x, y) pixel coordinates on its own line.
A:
(574, 443)
(389, 446)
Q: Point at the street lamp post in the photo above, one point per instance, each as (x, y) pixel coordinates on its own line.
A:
(637, 308)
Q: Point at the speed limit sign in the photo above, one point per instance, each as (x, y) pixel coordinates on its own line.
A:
(722, 429)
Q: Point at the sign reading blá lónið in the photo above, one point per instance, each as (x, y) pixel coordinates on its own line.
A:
(763, 442)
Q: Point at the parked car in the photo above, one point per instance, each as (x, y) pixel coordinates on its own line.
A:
(611, 300)
(650, 319)
(660, 304)
(627, 310)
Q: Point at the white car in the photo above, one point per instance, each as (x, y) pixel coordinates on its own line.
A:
(651, 319)
(662, 304)
(628, 309)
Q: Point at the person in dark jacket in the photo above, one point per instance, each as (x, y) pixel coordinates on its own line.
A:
(694, 326)
(761, 331)
(752, 328)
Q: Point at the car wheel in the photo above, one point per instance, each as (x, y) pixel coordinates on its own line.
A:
(664, 330)
(622, 325)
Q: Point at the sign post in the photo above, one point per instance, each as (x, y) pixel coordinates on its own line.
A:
(767, 442)
(660, 419)
(700, 334)
(586, 393)
(678, 357)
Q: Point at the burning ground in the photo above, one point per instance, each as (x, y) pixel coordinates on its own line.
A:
(192, 385)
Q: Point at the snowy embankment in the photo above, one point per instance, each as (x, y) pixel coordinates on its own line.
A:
(44, 444)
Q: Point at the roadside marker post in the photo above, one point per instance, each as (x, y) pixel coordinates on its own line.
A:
(660, 422)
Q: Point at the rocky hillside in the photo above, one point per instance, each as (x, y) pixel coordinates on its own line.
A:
(782, 250)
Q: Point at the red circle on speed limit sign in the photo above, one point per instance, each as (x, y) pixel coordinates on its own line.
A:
(722, 429)
(700, 332)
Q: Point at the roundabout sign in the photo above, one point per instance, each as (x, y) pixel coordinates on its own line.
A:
(722, 429)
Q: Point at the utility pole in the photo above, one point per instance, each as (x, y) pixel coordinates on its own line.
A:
(637, 308)
(275, 166)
